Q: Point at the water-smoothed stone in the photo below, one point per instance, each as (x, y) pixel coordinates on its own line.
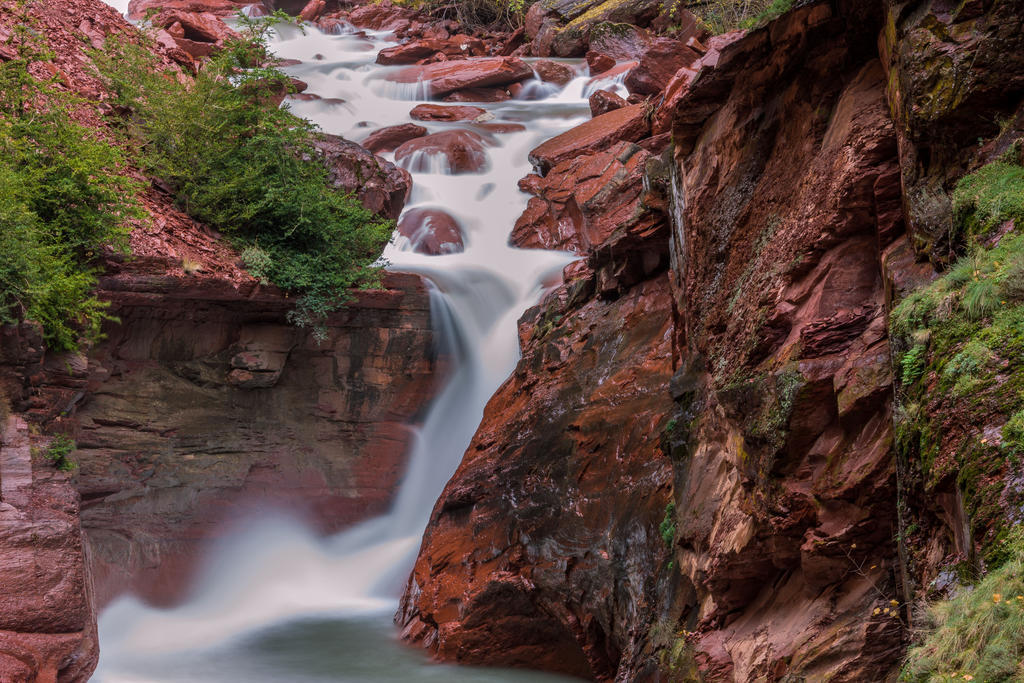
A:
(628, 123)
(431, 231)
(462, 151)
(484, 72)
(440, 112)
(554, 72)
(389, 138)
(479, 95)
(603, 101)
(379, 185)
(412, 52)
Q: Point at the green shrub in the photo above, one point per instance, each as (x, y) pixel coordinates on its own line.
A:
(249, 169)
(979, 633)
(58, 451)
(62, 201)
(1013, 434)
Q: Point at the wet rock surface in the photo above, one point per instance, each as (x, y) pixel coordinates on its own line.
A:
(459, 151)
(485, 72)
(626, 124)
(431, 231)
(379, 185)
(391, 137)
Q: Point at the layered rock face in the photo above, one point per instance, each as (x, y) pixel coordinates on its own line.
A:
(204, 403)
(787, 192)
(47, 616)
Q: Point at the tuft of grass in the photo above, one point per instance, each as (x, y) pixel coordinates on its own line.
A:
(979, 633)
(989, 196)
(722, 16)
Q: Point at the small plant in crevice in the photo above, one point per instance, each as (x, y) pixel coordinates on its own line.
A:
(913, 363)
(667, 528)
(58, 451)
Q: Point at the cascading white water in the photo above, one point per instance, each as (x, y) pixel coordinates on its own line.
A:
(274, 602)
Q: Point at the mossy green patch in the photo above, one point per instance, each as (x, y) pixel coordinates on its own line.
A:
(960, 345)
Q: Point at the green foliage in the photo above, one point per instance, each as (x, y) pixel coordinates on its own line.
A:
(249, 169)
(979, 633)
(721, 16)
(58, 451)
(989, 196)
(913, 363)
(62, 201)
(667, 528)
(1013, 434)
(973, 319)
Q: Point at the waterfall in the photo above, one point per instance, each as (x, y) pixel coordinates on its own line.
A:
(274, 601)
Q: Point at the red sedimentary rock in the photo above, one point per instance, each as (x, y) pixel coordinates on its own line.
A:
(628, 123)
(441, 112)
(603, 101)
(431, 231)
(485, 72)
(387, 139)
(463, 150)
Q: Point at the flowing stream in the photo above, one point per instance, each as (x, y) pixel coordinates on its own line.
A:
(274, 602)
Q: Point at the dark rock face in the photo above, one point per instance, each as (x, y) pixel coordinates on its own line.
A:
(952, 77)
(785, 489)
(777, 421)
(568, 450)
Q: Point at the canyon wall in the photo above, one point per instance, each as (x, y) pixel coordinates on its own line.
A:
(752, 520)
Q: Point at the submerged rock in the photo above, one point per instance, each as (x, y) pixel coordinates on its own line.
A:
(431, 231)
(391, 137)
(460, 151)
